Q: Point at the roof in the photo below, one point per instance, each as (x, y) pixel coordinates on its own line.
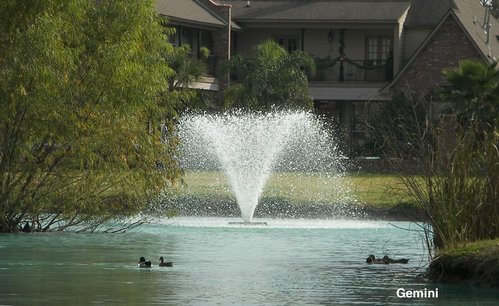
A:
(318, 10)
(427, 13)
(189, 11)
(471, 14)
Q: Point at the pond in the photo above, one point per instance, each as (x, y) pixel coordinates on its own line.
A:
(286, 262)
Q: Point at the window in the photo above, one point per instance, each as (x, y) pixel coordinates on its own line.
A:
(173, 39)
(289, 43)
(379, 49)
(205, 39)
(187, 37)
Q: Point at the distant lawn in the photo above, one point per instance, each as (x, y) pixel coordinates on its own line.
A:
(369, 189)
(379, 189)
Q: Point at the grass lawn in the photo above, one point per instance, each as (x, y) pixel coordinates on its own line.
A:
(369, 189)
(474, 263)
(481, 247)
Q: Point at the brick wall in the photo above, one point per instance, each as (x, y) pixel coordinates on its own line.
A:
(447, 47)
(222, 10)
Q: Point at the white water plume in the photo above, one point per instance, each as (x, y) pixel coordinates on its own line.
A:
(248, 147)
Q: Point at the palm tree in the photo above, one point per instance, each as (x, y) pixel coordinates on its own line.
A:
(474, 89)
(273, 77)
(187, 69)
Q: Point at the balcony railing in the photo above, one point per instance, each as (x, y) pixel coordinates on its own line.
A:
(336, 70)
(348, 71)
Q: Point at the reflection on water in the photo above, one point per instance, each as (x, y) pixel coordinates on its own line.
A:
(287, 262)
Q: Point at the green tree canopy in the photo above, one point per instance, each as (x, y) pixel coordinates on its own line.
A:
(474, 92)
(272, 77)
(79, 87)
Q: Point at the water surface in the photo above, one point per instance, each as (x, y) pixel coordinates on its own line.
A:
(319, 262)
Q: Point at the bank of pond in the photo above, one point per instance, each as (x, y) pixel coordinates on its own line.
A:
(474, 263)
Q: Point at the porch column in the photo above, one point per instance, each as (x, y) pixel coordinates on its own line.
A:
(302, 39)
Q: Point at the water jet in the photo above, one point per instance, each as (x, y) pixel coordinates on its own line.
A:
(248, 147)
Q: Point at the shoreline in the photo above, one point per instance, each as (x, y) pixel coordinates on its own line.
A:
(475, 264)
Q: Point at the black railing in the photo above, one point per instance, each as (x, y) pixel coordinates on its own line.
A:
(349, 71)
(336, 70)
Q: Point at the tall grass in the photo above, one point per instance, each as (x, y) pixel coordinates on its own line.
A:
(460, 191)
(458, 181)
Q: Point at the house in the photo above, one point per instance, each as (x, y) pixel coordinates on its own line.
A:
(201, 24)
(365, 51)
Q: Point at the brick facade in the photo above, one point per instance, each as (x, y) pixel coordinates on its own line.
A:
(446, 48)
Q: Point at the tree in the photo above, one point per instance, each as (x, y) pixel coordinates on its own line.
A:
(457, 180)
(273, 77)
(188, 70)
(474, 92)
(79, 83)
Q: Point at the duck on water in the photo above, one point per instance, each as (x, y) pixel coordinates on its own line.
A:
(143, 263)
(162, 263)
(385, 260)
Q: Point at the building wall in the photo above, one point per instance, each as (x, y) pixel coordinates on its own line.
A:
(248, 39)
(413, 37)
(315, 42)
(446, 48)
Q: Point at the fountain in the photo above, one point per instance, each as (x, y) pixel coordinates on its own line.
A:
(248, 147)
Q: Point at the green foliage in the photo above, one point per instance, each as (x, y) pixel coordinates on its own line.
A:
(457, 155)
(272, 78)
(461, 195)
(80, 82)
(187, 70)
(474, 92)
(474, 248)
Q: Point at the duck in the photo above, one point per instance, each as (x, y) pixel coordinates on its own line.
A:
(143, 263)
(391, 260)
(386, 260)
(165, 264)
(371, 259)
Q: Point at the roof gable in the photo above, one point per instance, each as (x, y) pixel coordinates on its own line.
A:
(470, 14)
(472, 30)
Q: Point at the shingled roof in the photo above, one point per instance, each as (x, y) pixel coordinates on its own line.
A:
(471, 14)
(318, 10)
(427, 13)
(189, 11)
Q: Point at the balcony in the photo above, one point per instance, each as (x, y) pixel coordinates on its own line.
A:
(347, 71)
(352, 71)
